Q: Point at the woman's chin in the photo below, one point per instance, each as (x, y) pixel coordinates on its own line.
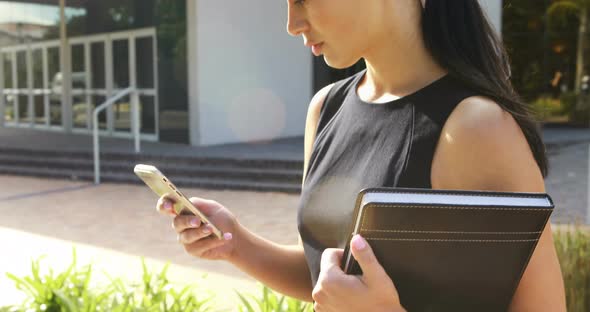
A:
(337, 64)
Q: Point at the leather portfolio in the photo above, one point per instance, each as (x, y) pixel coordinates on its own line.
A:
(448, 250)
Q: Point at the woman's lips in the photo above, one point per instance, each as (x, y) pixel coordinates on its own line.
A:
(316, 49)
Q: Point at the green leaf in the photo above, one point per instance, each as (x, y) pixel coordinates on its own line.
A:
(164, 271)
(65, 300)
(22, 285)
(280, 303)
(245, 302)
(38, 286)
(559, 12)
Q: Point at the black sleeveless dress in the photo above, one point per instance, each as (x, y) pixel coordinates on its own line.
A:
(360, 145)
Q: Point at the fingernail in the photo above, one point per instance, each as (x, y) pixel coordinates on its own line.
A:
(227, 236)
(206, 230)
(358, 242)
(195, 222)
(167, 205)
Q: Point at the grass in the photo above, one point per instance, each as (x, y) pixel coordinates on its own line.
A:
(573, 249)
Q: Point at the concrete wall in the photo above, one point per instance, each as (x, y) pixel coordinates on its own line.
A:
(493, 9)
(249, 79)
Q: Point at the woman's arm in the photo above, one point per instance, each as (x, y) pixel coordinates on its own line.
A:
(282, 268)
(482, 148)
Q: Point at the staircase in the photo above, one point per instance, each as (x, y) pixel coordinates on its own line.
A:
(199, 172)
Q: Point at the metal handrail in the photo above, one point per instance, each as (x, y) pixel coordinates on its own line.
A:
(134, 124)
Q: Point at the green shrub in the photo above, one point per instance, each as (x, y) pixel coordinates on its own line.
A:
(577, 116)
(72, 291)
(270, 301)
(545, 107)
(573, 250)
(568, 102)
(66, 291)
(580, 117)
(154, 293)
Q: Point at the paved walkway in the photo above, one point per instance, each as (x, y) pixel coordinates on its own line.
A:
(112, 225)
(555, 136)
(567, 183)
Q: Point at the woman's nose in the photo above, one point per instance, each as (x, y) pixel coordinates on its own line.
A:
(296, 23)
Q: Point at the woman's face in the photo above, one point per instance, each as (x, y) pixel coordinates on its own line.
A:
(346, 29)
(341, 26)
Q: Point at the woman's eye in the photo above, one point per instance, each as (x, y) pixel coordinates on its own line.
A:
(299, 2)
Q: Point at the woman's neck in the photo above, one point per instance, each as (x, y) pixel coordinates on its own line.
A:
(398, 66)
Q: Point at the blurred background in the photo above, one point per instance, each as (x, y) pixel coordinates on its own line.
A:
(220, 92)
(60, 59)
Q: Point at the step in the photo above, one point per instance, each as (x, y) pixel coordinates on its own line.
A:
(166, 167)
(225, 184)
(209, 183)
(138, 158)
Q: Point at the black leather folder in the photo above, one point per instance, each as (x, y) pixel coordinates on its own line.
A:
(450, 250)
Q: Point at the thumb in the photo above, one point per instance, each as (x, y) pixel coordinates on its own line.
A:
(208, 207)
(373, 272)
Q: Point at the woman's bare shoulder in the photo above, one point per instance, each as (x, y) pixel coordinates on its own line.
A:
(482, 147)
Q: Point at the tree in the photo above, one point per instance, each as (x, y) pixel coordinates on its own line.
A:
(558, 14)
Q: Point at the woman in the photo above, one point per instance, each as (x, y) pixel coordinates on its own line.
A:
(433, 109)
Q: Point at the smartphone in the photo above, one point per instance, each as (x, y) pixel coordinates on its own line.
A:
(161, 185)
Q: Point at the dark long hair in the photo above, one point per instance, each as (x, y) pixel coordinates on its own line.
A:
(459, 36)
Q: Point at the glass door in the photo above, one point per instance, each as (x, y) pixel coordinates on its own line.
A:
(31, 85)
(39, 108)
(54, 79)
(7, 84)
(105, 65)
(121, 80)
(81, 99)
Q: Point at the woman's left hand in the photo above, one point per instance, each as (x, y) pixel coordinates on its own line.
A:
(337, 291)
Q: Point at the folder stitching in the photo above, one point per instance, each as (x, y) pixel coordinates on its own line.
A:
(364, 213)
(449, 232)
(520, 195)
(455, 240)
(463, 208)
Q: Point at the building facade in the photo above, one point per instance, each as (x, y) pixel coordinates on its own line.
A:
(207, 72)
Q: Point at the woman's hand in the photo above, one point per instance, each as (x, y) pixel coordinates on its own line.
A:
(195, 236)
(337, 291)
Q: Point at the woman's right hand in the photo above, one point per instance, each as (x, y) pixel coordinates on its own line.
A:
(193, 235)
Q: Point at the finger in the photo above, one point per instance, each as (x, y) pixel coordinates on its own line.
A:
(182, 222)
(330, 260)
(373, 272)
(190, 236)
(204, 246)
(165, 206)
